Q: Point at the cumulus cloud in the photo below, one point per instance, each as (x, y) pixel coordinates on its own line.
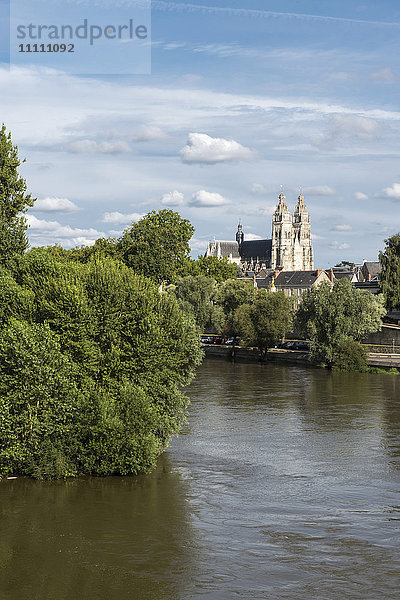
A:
(339, 246)
(385, 75)
(51, 232)
(342, 227)
(174, 198)
(360, 196)
(149, 133)
(92, 147)
(62, 205)
(208, 199)
(319, 190)
(118, 218)
(201, 148)
(391, 192)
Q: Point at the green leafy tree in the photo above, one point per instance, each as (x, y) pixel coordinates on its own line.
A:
(157, 246)
(92, 368)
(331, 315)
(14, 202)
(264, 322)
(106, 247)
(390, 274)
(345, 263)
(229, 296)
(39, 403)
(350, 356)
(194, 296)
(219, 269)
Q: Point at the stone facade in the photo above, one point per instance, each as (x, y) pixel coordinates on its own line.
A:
(291, 237)
(290, 247)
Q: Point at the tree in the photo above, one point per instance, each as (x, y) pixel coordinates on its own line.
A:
(229, 296)
(390, 274)
(350, 356)
(345, 263)
(219, 269)
(194, 296)
(331, 315)
(265, 321)
(93, 360)
(14, 202)
(157, 246)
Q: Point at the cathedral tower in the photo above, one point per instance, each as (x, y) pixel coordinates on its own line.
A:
(302, 251)
(282, 234)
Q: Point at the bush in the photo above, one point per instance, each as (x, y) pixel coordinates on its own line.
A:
(92, 372)
(350, 356)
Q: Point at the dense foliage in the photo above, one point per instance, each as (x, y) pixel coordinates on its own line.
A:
(350, 355)
(14, 201)
(230, 295)
(390, 274)
(195, 295)
(157, 246)
(330, 316)
(219, 269)
(264, 322)
(92, 359)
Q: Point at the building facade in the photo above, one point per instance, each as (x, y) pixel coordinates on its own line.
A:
(289, 248)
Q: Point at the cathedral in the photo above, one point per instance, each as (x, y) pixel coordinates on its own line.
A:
(289, 249)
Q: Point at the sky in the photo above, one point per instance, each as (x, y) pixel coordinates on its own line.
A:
(244, 96)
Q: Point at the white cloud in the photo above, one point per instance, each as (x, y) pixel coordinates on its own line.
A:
(62, 205)
(249, 237)
(118, 218)
(342, 227)
(197, 245)
(360, 196)
(339, 246)
(385, 75)
(348, 129)
(360, 126)
(201, 148)
(149, 133)
(174, 198)
(91, 146)
(319, 190)
(51, 232)
(392, 192)
(208, 199)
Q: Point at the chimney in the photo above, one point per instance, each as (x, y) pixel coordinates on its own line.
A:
(276, 272)
(330, 275)
(369, 276)
(319, 272)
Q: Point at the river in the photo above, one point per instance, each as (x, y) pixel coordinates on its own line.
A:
(284, 485)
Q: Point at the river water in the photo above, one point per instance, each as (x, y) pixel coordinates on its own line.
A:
(285, 484)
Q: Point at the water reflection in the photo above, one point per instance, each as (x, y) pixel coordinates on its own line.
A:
(284, 485)
(97, 538)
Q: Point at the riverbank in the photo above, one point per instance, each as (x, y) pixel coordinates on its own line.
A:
(240, 353)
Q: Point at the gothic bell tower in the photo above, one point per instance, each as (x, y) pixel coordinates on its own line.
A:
(282, 232)
(240, 235)
(303, 256)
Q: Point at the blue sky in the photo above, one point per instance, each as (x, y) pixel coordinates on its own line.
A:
(243, 97)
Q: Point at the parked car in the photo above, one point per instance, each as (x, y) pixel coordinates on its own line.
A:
(301, 345)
